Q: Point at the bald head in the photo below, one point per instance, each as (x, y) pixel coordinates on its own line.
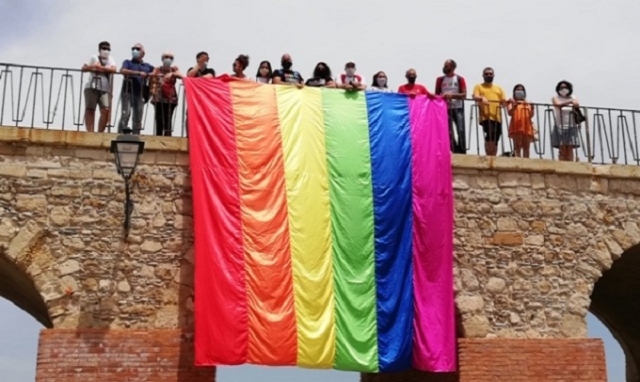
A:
(286, 61)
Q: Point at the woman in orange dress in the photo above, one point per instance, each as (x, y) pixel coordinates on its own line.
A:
(520, 127)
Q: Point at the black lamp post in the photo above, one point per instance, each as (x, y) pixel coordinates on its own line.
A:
(127, 149)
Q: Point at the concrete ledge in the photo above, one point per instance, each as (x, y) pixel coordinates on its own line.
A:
(80, 139)
(60, 138)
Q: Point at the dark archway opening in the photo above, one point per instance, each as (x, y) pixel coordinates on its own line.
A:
(615, 301)
(18, 288)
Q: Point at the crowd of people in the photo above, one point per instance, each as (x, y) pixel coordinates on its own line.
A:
(145, 83)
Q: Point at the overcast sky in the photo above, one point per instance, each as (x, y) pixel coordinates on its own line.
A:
(590, 43)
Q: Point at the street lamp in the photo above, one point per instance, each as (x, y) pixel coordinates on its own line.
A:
(127, 149)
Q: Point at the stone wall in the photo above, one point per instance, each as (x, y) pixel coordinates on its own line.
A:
(531, 240)
(532, 237)
(61, 216)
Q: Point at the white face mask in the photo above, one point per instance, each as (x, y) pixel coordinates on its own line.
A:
(264, 72)
(382, 82)
(167, 62)
(564, 92)
(350, 72)
(104, 53)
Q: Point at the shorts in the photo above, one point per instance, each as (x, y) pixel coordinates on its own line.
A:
(492, 130)
(93, 97)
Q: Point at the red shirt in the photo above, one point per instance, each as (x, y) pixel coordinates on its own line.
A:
(413, 88)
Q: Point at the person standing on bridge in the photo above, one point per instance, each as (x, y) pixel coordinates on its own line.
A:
(98, 89)
(411, 88)
(491, 97)
(565, 136)
(453, 89)
(135, 89)
(286, 75)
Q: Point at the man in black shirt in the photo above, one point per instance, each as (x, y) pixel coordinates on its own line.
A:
(201, 69)
(286, 75)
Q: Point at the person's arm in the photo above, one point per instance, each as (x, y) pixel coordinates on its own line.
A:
(126, 69)
(89, 66)
(533, 109)
(175, 72)
(193, 71)
(511, 107)
(359, 85)
(463, 89)
(478, 97)
(439, 85)
(330, 83)
(556, 102)
(276, 79)
(575, 103)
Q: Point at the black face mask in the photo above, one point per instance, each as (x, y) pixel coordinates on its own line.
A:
(488, 79)
(446, 70)
(411, 79)
(286, 64)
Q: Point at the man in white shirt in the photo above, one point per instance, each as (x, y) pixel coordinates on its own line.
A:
(351, 81)
(98, 88)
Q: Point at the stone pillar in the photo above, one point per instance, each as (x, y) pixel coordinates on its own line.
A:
(99, 355)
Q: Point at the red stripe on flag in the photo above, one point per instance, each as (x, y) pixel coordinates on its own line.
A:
(220, 291)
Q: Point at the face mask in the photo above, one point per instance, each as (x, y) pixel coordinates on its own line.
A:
(488, 79)
(286, 64)
(411, 79)
(264, 72)
(520, 94)
(167, 62)
(204, 64)
(445, 70)
(564, 92)
(104, 53)
(382, 82)
(350, 72)
(135, 53)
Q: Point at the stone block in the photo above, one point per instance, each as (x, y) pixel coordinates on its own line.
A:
(13, 170)
(508, 238)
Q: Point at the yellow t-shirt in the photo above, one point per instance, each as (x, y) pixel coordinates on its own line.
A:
(491, 92)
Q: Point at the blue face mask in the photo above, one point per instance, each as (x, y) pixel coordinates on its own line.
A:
(135, 53)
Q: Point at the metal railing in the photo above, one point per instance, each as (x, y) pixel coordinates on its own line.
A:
(53, 98)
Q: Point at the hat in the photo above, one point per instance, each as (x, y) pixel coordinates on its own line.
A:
(350, 64)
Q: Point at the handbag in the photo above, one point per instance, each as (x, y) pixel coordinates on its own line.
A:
(578, 117)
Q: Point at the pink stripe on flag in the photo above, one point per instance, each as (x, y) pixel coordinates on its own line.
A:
(434, 346)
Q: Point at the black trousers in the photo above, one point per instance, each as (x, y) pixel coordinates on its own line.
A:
(164, 115)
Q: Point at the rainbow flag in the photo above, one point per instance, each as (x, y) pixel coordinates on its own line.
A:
(323, 228)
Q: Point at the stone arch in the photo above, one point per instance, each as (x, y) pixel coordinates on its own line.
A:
(615, 301)
(17, 282)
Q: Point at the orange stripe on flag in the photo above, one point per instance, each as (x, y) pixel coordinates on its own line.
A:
(263, 205)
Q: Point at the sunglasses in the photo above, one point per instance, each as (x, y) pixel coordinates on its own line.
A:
(135, 48)
(105, 48)
(488, 74)
(171, 57)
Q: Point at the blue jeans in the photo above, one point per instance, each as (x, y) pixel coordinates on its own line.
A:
(456, 116)
(131, 104)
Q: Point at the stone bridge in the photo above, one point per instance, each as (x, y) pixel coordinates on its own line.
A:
(538, 245)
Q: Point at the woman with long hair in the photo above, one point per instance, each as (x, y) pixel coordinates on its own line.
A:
(321, 77)
(520, 126)
(264, 73)
(379, 82)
